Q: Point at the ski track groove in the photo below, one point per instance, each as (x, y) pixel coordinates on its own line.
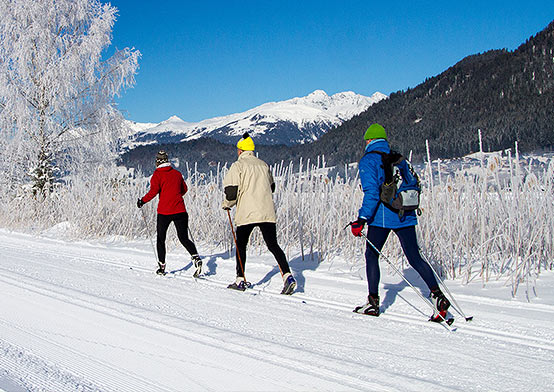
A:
(125, 266)
(85, 370)
(473, 330)
(466, 328)
(32, 381)
(291, 363)
(263, 292)
(60, 297)
(209, 281)
(159, 290)
(471, 298)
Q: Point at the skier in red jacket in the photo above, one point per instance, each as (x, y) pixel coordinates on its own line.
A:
(169, 184)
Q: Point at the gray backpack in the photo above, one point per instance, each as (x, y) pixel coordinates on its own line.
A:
(401, 189)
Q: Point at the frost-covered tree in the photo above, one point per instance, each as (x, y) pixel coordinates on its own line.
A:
(57, 87)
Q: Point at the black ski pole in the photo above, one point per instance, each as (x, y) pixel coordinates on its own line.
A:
(457, 307)
(149, 237)
(237, 248)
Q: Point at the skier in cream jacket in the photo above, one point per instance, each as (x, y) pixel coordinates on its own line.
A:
(249, 185)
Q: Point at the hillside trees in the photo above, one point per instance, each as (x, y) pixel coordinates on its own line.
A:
(57, 88)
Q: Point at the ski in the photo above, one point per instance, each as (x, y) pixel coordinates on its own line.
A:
(196, 274)
(447, 324)
(437, 320)
(241, 286)
(207, 279)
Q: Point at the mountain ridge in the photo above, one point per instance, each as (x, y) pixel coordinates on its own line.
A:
(293, 121)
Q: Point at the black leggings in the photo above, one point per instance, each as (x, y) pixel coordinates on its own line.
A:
(269, 232)
(181, 221)
(408, 241)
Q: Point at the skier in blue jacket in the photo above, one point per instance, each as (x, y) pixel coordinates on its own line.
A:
(381, 219)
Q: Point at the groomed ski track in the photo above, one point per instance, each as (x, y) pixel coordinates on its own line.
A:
(76, 316)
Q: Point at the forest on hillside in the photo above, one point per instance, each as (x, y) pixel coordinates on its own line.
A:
(506, 95)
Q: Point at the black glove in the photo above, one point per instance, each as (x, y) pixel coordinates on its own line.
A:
(140, 203)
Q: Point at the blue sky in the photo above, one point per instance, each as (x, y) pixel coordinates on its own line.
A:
(202, 59)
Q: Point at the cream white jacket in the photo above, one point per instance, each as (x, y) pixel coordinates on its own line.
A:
(251, 178)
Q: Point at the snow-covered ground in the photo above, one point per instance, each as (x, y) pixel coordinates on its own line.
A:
(93, 316)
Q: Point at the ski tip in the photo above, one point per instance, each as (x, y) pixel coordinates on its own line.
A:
(469, 318)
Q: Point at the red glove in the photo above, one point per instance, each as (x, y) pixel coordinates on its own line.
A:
(357, 227)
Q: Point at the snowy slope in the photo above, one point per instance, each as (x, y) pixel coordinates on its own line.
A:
(80, 316)
(296, 120)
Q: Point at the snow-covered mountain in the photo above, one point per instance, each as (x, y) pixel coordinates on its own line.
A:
(297, 120)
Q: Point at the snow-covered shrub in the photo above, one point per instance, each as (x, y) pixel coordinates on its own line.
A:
(491, 219)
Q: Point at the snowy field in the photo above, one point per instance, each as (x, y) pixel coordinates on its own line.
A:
(81, 316)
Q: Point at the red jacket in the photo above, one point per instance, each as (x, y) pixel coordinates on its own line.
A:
(169, 183)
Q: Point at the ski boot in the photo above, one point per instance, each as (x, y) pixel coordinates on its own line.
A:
(239, 284)
(197, 264)
(441, 305)
(161, 268)
(290, 284)
(370, 308)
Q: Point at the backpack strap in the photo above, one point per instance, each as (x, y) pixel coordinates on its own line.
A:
(389, 159)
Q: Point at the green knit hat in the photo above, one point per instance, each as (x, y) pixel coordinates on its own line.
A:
(375, 131)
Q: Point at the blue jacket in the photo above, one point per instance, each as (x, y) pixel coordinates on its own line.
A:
(372, 176)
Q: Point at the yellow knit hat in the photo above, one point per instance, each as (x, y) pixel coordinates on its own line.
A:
(246, 143)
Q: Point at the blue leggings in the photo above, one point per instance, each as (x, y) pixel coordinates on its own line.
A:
(408, 240)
